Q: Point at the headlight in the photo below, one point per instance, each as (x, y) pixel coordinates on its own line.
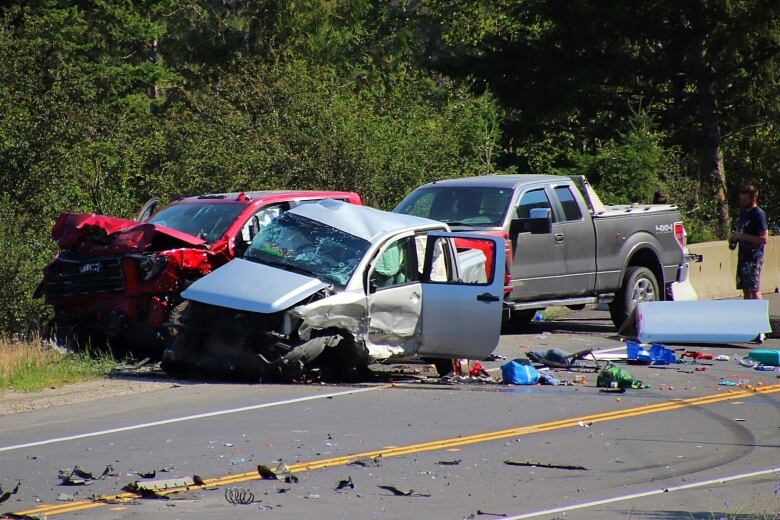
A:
(151, 265)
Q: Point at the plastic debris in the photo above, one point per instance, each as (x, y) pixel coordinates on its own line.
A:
(518, 373)
(652, 354)
(345, 484)
(548, 466)
(721, 357)
(5, 495)
(728, 382)
(765, 357)
(397, 492)
(449, 462)
(79, 477)
(616, 377)
(266, 473)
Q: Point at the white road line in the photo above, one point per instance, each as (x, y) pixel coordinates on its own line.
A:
(185, 418)
(634, 496)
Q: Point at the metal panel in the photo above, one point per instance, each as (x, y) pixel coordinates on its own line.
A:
(723, 321)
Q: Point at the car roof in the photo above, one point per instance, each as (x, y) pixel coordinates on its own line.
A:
(495, 181)
(253, 196)
(361, 221)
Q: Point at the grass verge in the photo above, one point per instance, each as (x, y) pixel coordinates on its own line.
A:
(31, 366)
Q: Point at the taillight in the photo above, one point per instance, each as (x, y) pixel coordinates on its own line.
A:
(680, 235)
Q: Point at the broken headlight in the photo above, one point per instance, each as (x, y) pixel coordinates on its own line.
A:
(151, 265)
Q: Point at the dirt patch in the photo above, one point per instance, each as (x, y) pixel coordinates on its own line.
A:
(16, 402)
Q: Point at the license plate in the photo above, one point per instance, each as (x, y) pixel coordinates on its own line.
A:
(90, 268)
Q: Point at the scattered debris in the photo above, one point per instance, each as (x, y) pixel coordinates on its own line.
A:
(367, 462)
(290, 479)
(65, 497)
(397, 492)
(79, 477)
(449, 462)
(615, 377)
(722, 357)
(5, 495)
(266, 473)
(344, 484)
(240, 496)
(518, 372)
(548, 466)
(715, 321)
(728, 382)
(653, 354)
(154, 488)
(146, 474)
(557, 358)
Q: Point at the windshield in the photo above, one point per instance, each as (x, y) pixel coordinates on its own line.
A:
(459, 206)
(203, 220)
(312, 248)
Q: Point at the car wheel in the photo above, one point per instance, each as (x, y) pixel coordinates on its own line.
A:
(640, 285)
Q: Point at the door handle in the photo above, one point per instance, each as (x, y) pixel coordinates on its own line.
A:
(487, 297)
(559, 237)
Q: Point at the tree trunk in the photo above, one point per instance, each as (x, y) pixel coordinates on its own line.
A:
(712, 154)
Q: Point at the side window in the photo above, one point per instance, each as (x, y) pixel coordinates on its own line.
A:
(571, 210)
(440, 267)
(396, 266)
(257, 223)
(532, 200)
(475, 259)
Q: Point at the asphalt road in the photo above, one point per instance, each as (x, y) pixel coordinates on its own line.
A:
(658, 453)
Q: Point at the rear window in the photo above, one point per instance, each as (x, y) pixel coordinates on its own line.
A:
(571, 210)
(204, 220)
(459, 206)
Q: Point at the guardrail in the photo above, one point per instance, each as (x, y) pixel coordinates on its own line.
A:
(714, 277)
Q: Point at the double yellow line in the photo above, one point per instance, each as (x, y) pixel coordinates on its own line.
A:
(57, 509)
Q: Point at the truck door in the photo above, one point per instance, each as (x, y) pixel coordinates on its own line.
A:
(579, 241)
(460, 318)
(394, 296)
(539, 260)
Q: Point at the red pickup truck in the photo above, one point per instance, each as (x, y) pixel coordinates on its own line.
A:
(118, 280)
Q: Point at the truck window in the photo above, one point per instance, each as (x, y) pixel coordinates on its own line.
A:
(571, 210)
(200, 219)
(532, 200)
(397, 265)
(459, 206)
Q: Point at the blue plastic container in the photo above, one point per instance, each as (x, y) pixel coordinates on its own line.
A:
(653, 354)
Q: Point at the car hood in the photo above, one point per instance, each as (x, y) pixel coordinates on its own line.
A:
(254, 287)
(100, 234)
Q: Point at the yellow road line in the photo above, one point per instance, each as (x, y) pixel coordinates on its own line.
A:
(398, 451)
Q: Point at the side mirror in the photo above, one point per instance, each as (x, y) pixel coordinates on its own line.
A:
(541, 221)
(517, 226)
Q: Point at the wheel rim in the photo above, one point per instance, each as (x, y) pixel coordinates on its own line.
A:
(643, 291)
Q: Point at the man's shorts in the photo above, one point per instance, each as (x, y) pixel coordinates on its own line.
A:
(749, 275)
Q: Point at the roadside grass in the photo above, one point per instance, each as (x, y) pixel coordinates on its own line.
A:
(31, 366)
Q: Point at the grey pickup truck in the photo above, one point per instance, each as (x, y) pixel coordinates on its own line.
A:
(564, 246)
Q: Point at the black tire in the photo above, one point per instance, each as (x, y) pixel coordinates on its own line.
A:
(639, 284)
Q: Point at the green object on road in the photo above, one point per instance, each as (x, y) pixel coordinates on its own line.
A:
(616, 377)
(765, 357)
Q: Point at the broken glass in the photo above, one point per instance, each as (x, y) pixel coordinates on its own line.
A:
(297, 243)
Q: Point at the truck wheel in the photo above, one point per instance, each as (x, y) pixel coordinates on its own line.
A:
(295, 362)
(640, 285)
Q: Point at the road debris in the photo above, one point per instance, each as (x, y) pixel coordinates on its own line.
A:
(397, 492)
(240, 496)
(652, 354)
(345, 484)
(5, 495)
(615, 377)
(449, 462)
(472, 516)
(548, 466)
(519, 372)
(367, 462)
(79, 477)
(558, 358)
(65, 497)
(153, 488)
(266, 473)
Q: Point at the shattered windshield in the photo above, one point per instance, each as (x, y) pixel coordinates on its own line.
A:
(312, 248)
(459, 206)
(203, 220)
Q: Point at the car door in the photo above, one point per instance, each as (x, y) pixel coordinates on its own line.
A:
(538, 260)
(395, 296)
(579, 241)
(460, 318)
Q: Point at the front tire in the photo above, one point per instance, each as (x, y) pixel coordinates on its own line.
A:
(640, 285)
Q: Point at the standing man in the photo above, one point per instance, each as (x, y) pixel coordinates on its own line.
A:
(752, 234)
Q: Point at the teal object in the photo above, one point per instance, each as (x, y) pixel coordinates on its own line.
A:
(766, 357)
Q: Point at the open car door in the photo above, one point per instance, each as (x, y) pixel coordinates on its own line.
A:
(461, 313)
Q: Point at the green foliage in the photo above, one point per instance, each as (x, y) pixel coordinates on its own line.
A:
(629, 167)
